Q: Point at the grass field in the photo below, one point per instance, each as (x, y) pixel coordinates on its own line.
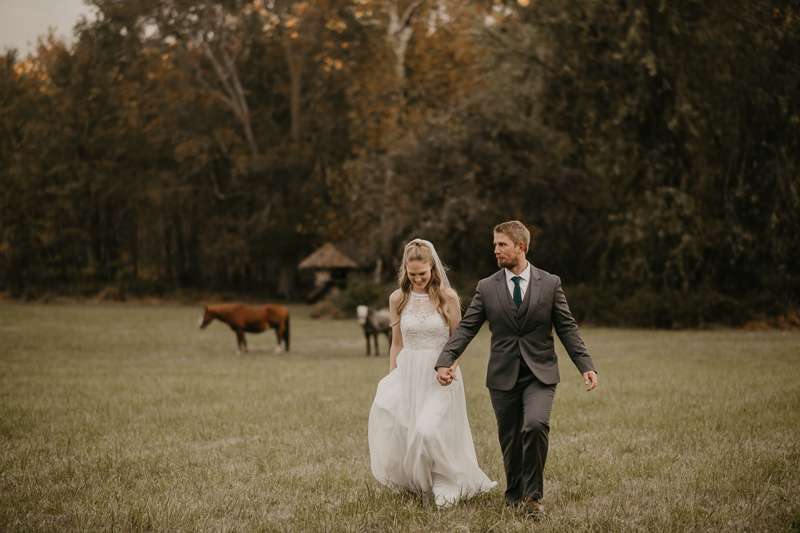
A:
(127, 418)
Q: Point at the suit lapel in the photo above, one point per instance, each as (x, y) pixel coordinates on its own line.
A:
(505, 298)
(534, 288)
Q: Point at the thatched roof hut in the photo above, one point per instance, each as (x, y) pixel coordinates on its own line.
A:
(327, 257)
(331, 268)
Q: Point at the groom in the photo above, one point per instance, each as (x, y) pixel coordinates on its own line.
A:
(522, 304)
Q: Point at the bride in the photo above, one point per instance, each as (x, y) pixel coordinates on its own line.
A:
(419, 436)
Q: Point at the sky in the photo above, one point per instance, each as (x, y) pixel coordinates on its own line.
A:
(23, 21)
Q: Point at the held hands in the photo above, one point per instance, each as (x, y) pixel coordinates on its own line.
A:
(445, 375)
(590, 376)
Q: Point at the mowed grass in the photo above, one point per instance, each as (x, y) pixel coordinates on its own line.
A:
(128, 418)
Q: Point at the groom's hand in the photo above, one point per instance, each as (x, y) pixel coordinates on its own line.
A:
(445, 375)
(590, 376)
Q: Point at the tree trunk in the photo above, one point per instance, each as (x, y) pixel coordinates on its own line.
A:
(180, 245)
(387, 226)
(234, 96)
(286, 282)
(135, 249)
(399, 33)
(295, 62)
(166, 235)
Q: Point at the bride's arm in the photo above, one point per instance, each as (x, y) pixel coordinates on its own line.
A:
(454, 308)
(397, 337)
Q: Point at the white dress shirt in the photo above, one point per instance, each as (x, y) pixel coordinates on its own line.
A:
(523, 283)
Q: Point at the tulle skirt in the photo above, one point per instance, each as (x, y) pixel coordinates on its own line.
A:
(419, 435)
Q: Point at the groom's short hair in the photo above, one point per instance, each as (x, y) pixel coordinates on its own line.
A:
(516, 231)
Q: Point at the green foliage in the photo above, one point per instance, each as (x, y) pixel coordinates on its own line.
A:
(666, 154)
(364, 292)
(665, 309)
(665, 106)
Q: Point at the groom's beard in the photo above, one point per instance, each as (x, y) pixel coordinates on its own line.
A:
(507, 263)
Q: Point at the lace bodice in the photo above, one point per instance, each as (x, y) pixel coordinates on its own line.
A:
(422, 326)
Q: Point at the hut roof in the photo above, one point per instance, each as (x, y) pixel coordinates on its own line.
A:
(327, 256)
(359, 251)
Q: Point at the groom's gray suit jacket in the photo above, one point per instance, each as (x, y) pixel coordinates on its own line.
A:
(526, 332)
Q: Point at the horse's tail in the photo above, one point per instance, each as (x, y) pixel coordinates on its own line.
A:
(286, 331)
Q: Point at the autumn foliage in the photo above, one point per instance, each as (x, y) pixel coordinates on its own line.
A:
(652, 148)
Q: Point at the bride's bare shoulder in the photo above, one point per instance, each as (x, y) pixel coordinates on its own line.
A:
(450, 294)
(395, 297)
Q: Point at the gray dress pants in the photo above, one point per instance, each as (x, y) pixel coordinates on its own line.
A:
(523, 426)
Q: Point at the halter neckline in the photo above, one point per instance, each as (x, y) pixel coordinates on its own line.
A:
(424, 296)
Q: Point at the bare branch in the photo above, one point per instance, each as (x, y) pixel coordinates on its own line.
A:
(216, 92)
(218, 193)
(236, 99)
(262, 215)
(221, 74)
(409, 11)
(369, 22)
(237, 86)
(215, 184)
(512, 48)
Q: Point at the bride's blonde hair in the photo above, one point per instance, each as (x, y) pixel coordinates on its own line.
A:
(417, 251)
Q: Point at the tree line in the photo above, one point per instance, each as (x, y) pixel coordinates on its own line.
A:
(651, 147)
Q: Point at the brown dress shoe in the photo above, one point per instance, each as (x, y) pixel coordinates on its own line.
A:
(533, 505)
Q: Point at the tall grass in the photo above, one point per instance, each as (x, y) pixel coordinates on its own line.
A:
(125, 418)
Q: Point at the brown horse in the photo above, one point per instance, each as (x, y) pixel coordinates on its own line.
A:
(243, 318)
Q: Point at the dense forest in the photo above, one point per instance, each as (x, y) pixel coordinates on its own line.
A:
(652, 147)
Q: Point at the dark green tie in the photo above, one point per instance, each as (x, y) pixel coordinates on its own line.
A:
(517, 291)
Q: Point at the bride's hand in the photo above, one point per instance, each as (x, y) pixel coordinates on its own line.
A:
(445, 375)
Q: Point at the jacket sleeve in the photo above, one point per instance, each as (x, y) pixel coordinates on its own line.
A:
(469, 326)
(567, 330)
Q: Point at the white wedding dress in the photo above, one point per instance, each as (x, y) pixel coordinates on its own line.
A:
(419, 436)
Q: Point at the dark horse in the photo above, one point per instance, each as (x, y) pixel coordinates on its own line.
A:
(243, 318)
(375, 321)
